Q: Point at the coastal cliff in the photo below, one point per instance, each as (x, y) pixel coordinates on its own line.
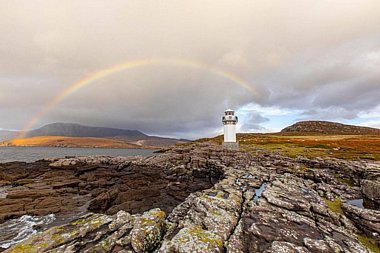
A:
(197, 198)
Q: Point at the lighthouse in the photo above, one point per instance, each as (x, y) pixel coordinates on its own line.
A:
(229, 121)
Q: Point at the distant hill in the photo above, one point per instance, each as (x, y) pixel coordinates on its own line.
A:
(326, 127)
(85, 136)
(76, 130)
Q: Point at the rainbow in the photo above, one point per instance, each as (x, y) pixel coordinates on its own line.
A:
(91, 78)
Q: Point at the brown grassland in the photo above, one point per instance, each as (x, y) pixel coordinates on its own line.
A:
(352, 147)
(62, 141)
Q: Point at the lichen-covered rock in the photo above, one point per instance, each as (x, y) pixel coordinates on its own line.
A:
(286, 247)
(371, 189)
(63, 236)
(122, 223)
(193, 239)
(148, 231)
(280, 223)
(366, 219)
(317, 245)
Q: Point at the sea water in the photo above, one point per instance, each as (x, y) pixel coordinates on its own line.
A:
(17, 230)
(31, 154)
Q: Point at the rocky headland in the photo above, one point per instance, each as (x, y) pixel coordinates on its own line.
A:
(196, 198)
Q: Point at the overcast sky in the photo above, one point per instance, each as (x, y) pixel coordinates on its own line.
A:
(308, 59)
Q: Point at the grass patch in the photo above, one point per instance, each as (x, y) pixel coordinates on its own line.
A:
(370, 243)
(334, 205)
(345, 181)
(303, 167)
(368, 156)
(294, 150)
(320, 146)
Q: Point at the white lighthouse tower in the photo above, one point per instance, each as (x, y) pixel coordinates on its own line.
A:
(229, 121)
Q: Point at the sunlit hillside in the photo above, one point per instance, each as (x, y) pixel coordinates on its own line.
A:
(62, 141)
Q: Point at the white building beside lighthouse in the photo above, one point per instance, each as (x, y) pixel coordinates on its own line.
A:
(229, 121)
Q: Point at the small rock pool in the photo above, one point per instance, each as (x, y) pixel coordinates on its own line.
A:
(259, 191)
(364, 203)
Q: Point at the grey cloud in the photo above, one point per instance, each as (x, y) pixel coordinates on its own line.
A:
(314, 56)
(342, 77)
(253, 122)
(331, 113)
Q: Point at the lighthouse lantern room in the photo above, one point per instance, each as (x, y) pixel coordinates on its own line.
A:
(229, 121)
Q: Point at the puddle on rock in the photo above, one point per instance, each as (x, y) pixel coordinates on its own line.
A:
(258, 192)
(364, 203)
(212, 194)
(356, 202)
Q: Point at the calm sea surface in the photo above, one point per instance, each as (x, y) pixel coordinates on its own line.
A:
(30, 154)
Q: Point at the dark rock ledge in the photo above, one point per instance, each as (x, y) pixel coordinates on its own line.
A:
(198, 198)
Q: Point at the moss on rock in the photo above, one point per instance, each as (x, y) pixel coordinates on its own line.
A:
(148, 231)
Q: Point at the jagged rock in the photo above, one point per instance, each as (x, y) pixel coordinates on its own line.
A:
(193, 239)
(148, 231)
(367, 219)
(371, 189)
(104, 200)
(134, 184)
(63, 236)
(278, 246)
(315, 245)
(216, 200)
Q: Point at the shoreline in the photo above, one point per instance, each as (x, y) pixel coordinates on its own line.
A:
(31, 154)
(95, 147)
